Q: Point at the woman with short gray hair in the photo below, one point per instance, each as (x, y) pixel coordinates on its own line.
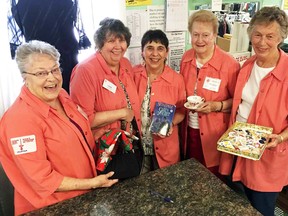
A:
(261, 98)
(46, 145)
(35, 47)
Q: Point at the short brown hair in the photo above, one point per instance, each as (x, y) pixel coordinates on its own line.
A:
(111, 27)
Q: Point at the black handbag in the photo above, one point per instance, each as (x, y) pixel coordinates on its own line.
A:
(125, 164)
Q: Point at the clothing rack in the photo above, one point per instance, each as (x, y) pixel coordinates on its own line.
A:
(226, 20)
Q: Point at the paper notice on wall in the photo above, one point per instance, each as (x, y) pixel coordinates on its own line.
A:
(137, 24)
(134, 55)
(177, 49)
(175, 56)
(216, 5)
(156, 17)
(176, 15)
(285, 5)
(138, 2)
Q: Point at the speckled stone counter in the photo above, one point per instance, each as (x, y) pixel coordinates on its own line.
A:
(194, 190)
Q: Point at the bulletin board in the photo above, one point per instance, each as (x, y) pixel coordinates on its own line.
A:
(158, 15)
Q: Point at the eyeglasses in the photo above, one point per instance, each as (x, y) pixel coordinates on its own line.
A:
(205, 36)
(43, 74)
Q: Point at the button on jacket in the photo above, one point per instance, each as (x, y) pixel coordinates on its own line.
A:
(270, 109)
(167, 88)
(60, 150)
(221, 66)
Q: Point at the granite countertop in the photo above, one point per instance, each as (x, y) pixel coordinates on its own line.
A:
(194, 190)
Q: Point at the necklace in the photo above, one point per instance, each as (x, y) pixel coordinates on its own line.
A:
(155, 75)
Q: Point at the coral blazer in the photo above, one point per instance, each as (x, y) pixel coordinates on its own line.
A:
(168, 88)
(221, 66)
(270, 108)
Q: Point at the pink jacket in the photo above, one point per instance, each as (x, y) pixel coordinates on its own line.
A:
(212, 125)
(86, 88)
(38, 147)
(270, 108)
(168, 88)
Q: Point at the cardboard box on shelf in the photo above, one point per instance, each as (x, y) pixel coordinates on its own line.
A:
(223, 43)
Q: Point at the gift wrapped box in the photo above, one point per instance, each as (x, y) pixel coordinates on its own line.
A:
(245, 140)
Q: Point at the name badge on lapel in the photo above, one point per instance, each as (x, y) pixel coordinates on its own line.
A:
(212, 84)
(109, 86)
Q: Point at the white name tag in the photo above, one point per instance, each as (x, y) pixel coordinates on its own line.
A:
(109, 86)
(212, 84)
(24, 144)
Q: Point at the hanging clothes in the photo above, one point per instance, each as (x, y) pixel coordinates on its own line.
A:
(52, 21)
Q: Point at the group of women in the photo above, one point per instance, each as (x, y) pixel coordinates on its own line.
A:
(110, 93)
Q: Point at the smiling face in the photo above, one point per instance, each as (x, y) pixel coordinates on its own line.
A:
(46, 89)
(113, 50)
(203, 38)
(265, 39)
(154, 55)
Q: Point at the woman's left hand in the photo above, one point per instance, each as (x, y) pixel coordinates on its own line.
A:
(170, 130)
(168, 134)
(275, 139)
(208, 106)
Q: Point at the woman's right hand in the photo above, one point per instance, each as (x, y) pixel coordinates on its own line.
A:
(104, 181)
(128, 114)
(208, 107)
(69, 184)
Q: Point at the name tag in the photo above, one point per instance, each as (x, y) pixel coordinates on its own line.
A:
(212, 84)
(24, 144)
(109, 86)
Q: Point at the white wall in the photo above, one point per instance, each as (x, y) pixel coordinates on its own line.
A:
(10, 79)
(93, 12)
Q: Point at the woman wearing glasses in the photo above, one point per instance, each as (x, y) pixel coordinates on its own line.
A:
(46, 145)
(211, 74)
